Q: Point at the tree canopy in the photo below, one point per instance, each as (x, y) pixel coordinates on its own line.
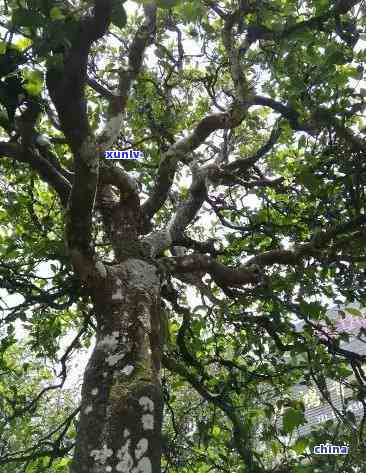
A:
(189, 268)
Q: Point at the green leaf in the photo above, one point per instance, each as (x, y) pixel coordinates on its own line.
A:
(216, 431)
(56, 14)
(337, 57)
(23, 43)
(167, 3)
(33, 81)
(312, 309)
(292, 418)
(275, 447)
(321, 6)
(355, 72)
(23, 17)
(343, 371)
(301, 445)
(309, 180)
(191, 10)
(303, 469)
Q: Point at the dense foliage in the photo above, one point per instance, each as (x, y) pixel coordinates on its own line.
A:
(250, 116)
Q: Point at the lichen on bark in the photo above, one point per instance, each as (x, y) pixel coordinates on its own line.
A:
(124, 368)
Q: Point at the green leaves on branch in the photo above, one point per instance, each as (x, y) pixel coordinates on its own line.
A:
(167, 3)
(3, 47)
(56, 14)
(292, 418)
(313, 310)
(300, 445)
(33, 81)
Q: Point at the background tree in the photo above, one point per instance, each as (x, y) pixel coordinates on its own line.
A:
(249, 199)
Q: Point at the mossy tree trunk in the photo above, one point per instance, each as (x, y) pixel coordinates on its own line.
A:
(121, 410)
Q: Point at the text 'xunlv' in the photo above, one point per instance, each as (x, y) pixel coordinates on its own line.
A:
(130, 154)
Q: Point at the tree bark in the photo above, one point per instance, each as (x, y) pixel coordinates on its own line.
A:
(121, 410)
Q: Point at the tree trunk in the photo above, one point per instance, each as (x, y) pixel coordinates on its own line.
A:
(121, 410)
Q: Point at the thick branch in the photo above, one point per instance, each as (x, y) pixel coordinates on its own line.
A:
(118, 177)
(287, 112)
(117, 102)
(188, 209)
(180, 151)
(66, 85)
(69, 79)
(199, 246)
(223, 276)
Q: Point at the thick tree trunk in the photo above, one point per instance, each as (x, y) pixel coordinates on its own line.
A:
(121, 411)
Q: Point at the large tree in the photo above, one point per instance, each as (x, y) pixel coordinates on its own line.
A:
(250, 194)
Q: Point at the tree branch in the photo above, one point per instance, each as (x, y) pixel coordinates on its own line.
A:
(224, 276)
(241, 165)
(188, 209)
(239, 432)
(179, 151)
(68, 81)
(257, 32)
(117, 102)
(99, 88)
(116, 176)
(313, 248)
(39, 164)
(319, 118)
